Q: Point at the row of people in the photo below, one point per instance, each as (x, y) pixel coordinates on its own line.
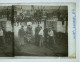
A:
(42, 36)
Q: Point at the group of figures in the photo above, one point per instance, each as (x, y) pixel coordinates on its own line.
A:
(42, 37)
(6, 37)
(25, 35)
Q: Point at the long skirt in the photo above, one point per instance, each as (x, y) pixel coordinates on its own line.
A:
(21, 40)
(41, 40)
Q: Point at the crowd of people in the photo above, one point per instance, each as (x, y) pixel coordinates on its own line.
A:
(43, 37)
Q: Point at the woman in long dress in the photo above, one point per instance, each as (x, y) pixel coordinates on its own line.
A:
(28, 34)
(21, 35)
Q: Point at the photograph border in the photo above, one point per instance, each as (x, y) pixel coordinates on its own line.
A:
(77, 43)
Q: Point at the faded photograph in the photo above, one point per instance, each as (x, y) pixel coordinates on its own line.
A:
(40, 30)
(6, 31)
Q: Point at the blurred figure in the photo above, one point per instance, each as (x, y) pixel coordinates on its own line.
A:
(41, 34)
(28, 34)
(37, 38)
(54, 34)
(1, 37)
(51, 40)
(4, 34)
(21, 35)
(46, 36)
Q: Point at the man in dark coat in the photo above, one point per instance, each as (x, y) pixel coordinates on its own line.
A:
(21, 35)
(37, 38)
(46, 36)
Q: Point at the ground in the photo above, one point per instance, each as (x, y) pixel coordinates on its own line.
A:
(60, 48)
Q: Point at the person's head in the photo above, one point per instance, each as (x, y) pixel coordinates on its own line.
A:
(40, 27)
(29, 25)
(50, 29)
(22, 27)
(2, 27)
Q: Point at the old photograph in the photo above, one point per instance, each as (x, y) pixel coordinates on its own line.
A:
(6, 31)
(40, 30)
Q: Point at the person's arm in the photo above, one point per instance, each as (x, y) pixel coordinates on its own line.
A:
(19, 33)
(2, 32)
(39, 32)
(52, 32)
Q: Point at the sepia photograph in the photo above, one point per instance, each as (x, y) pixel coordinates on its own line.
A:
(40, 30)
(6, 31)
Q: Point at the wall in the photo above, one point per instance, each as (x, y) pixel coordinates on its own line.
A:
(60, 27)
(8, 26)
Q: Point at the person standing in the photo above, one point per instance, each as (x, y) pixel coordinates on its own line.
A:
(37, 38)
(1, 37)
(21, 35)
(46, 36)
(28, 34)
(4, 35)
(51, 40)
(41, 34)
